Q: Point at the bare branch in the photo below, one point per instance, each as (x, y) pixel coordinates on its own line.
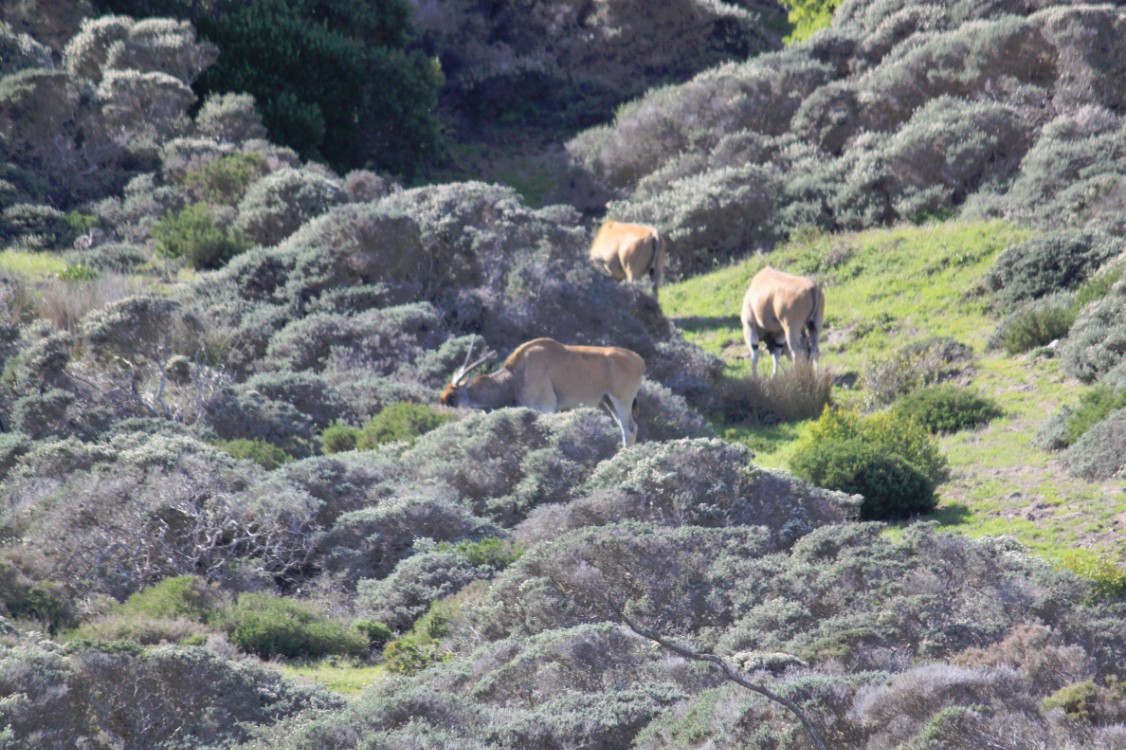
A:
(724, 667)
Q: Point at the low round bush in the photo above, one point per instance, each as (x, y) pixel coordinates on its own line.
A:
(187, 597)
(892, 487)
(399, 422)
(1049, 263)
(195, 236)
(339, 438)
(1100, 453)
(947, 408)
(269, 625)
(1037, 323)
(890, 432)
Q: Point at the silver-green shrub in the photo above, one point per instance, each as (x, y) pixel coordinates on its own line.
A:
(1097, 341)
(278, 204)
(405, 595)
(1049, 263)
(1100, 453)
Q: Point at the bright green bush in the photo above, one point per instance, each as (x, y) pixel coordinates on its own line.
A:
(185, 597)
(892, 487)
(377, 633)
(1108, 581)
(269, 626)
(264, 453)
(193, 235)
(947, 408)
(399, 422)
(891, 432)
(809, 16)
(890, 459)
(492, 551)
(338, 438)
(419, 648)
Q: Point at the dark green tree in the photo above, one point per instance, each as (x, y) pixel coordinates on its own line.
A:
(333, 79)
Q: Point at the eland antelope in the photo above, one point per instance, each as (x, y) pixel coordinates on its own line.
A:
(547, 376)
(782, 305)
(629, 251)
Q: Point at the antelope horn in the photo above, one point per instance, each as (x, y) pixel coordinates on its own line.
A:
(468, 367)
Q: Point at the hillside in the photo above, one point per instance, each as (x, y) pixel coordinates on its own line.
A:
(235, 514)
(1002, 482)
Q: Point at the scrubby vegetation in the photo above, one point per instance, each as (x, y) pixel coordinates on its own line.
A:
(225, 322)
(947, 408)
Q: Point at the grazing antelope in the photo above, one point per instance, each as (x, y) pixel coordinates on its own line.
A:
(547, 376)
(777, 308)
(629, 251)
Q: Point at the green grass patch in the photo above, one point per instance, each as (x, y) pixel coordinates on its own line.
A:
(883, 288)
(887, 290)
(338, 675)
(33, 266)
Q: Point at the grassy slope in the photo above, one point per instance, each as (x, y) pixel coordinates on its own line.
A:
(885, 289)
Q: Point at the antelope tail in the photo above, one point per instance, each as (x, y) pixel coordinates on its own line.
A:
(814, 322)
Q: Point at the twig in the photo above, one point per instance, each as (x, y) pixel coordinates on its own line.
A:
(728, 672)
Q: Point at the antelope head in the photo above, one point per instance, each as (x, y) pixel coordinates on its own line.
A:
(453, 392)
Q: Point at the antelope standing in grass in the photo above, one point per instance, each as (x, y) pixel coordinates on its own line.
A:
(629, 251)
(547, 376)
(782, 304)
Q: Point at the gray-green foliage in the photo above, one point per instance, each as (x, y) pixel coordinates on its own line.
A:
(1049, 263)
(1097, 341)
(279, 203)
(1100, 453)
(407, 592)
(157, 698)
(894, 113)
(861, 627)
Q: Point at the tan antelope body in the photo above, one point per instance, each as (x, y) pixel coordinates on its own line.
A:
(547, 376)
(629, 251)
(782, 304)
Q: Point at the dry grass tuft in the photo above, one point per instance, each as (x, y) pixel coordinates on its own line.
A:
(795, 393)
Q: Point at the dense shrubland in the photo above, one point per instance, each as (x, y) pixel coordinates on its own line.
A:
(896, 112)
(221, 438)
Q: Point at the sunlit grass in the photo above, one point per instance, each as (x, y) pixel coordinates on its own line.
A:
(886, 289)
(336, 675)
(32, 266)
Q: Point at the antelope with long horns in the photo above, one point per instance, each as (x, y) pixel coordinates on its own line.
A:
(547, 376)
